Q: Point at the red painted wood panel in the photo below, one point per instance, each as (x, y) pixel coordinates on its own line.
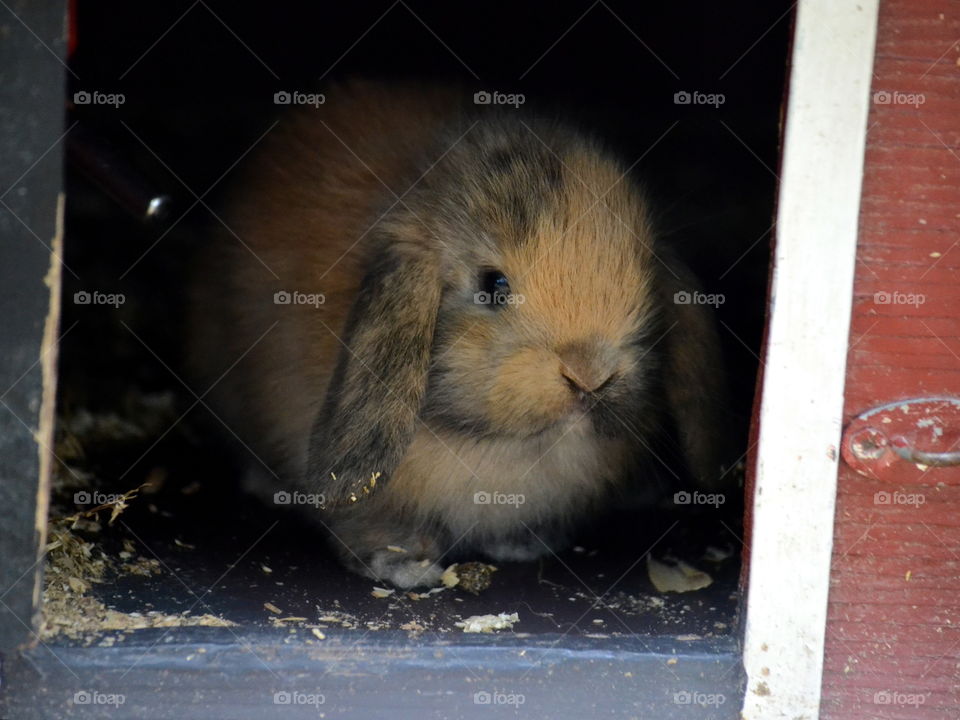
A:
(893, 633)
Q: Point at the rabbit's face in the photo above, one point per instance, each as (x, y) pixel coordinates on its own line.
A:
(547, 318)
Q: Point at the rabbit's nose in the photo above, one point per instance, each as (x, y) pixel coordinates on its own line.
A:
(586, 367)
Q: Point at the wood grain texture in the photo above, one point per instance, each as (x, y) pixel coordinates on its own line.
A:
(893, 632)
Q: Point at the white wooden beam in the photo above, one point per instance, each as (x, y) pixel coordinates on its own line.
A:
(805, 362)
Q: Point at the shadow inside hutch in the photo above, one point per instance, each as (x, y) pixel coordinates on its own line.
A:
(197, 85)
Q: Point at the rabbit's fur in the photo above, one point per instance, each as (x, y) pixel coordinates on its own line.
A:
(395, 204)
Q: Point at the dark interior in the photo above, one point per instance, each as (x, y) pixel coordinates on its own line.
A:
(198, 82)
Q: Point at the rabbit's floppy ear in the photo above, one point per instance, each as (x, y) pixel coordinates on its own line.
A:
(694, 378)
(374, 397)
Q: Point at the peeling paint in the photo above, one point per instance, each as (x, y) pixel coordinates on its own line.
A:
(44, 433)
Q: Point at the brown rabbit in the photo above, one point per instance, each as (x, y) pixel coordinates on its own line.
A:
(455, 325)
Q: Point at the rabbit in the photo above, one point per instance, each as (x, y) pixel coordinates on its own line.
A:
(455, 325)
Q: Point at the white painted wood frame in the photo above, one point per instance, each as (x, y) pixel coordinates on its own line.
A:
(805, 361)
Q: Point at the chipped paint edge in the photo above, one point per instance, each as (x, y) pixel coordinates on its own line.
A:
(44, 436)
(801, 404)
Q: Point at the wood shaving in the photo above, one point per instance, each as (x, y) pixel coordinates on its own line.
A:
(489, 623)
(426, 594)
(366, 489)
(716, 554)
(83, 616)
(450, 578)
(144, 567)
(680, 577)
(75, 563)
(413, 627)
(290, 619)
(343, 619)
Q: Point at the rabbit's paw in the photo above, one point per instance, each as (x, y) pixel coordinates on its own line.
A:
(403, 570)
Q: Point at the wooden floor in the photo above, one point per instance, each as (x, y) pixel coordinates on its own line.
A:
(212, 673)
(594, 638)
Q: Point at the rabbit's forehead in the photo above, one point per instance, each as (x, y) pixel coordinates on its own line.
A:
(587, 264)
(512, 181)
(582, 282)
(590, 240)
(577, 207)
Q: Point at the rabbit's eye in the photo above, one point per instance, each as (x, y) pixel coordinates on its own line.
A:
(494, 288)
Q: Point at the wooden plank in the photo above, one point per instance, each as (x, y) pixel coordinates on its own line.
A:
(220, 674)
(31, 123)
(851, 632)
(887, 632)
